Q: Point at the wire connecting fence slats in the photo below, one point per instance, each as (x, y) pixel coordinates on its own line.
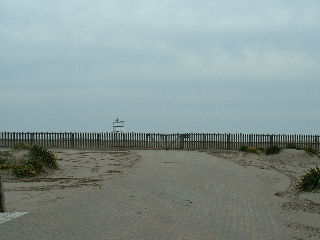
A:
(187, 141)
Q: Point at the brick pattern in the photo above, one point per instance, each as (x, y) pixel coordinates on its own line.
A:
(168, 195)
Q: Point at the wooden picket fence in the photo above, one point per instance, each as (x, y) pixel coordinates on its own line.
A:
(189, 141)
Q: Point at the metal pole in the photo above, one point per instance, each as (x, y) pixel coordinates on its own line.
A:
(2, 200)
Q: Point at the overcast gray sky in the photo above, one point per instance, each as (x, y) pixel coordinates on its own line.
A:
(246, 66)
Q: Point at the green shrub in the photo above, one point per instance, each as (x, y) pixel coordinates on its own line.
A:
(310, 150)
(24, 171)
(20, 147)
(37, 164)
(243, 148)
(44, 156)
(293, 146)
(310, 181)
(2, 160)
(273, 150)
(260, 148)
(248, 149)
(39, 158)
(251, 150)
(4, 166)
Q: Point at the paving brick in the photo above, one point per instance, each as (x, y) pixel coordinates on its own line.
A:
(168, 195)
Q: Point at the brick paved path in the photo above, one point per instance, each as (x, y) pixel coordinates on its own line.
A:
(168, 195)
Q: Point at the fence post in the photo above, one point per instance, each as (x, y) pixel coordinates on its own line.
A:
(2, 200)
(13, 139)
(181, 141)
(72, 140)
(32, 138)
(228, 142)
(317, 144)
(271, 140)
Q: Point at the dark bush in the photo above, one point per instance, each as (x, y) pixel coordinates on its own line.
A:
(243, 148)
(38, 159)
(251, 150)
(2, 160)
(24, 171)
(293, 146)
(260, 148)
(4, 166)
(20, 147)
(37, 164)
(248, 149)
(44, 156)
(273, 150)
(310, 150)
(310, 181)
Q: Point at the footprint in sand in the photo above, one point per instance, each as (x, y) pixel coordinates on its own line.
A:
(95, 169)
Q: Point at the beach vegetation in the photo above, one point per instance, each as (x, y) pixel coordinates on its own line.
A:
(293, 146)
(310, 181)
(37, 160)
(4, 166)
(19, 147)
(309, 150)
(248, 149)
(24, 170)
(2, 160)
(243, 148)
(272, 150)
(260, 148)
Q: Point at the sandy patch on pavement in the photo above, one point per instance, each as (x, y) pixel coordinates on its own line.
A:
(77, 169)
(279, 173)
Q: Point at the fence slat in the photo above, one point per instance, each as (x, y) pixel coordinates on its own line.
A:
(157, 140)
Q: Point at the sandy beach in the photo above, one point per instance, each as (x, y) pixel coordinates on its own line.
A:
(297, 214)
(78, 170)
(299, 211)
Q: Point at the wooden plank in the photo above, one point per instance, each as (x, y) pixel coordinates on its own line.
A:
(48, 138)
(198, 141)
(107, 140)
(6, 142)
(129, 140)
(177, 140)
(104, 137)
(4, 139)
(79, 139)
(61, 140)
(225, 136)
(9, 142)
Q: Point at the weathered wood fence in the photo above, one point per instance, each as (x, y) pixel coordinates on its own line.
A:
(187, 141)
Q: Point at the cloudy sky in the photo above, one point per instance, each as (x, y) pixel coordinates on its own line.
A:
(214, 66)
